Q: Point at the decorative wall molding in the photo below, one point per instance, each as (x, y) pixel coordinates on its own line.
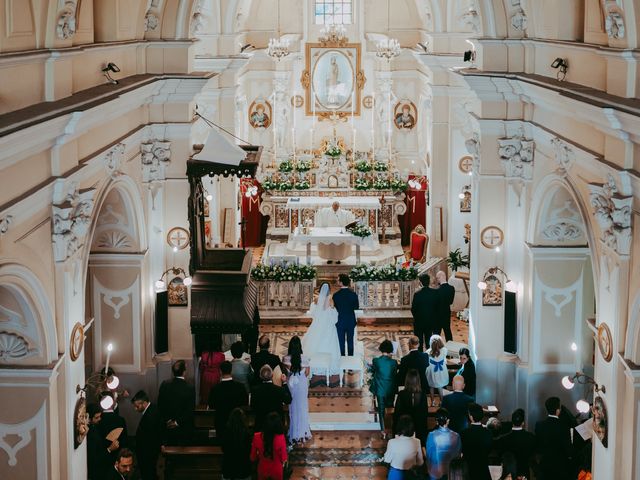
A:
(13, 347)
(562, 232)
(614, 23)
(156, 156)
(613, 214)
(67, 20)
(113, 159)
(565, 156)
(558, 298)
(71, 221)
(519, 20)
(123, 295)
(198, 21)
(5, 222)
(472, 19)
(114, 239)
(23, 431)
(473, 147)
(517, 154)
(151, 21)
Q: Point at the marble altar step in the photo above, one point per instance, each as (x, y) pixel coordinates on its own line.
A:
(379, 317)
(341, 421)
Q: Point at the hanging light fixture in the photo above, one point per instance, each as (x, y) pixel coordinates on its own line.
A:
(278, 47)
(581, 379)
(388, 48)
(186, 280)
(509, 286)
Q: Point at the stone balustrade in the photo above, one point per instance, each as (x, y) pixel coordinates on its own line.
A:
(386, 295)
(285, 295)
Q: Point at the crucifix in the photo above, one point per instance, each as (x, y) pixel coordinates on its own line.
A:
(243, 231)
(384, 221)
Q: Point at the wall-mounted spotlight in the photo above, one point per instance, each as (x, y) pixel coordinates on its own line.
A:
(422, 47)
(108, 70)
(247, 47)
(562, 65)
(470, 55)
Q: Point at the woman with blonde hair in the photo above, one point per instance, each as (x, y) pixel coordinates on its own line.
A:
(437, 373)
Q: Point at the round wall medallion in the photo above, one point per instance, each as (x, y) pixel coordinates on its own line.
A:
(605, 342)
(491, 236)
(77, 341)
(80, 422)
(465, 165)
(297, 101)
(367, 102)
(178, 237)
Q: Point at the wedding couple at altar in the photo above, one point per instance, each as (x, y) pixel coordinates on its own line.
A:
(333, 323)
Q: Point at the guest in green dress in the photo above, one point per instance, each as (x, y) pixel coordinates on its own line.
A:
(383, 384)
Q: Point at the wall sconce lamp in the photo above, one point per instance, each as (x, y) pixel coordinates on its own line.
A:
(102, 381)
(110, 68)
(581, 379)
(466, 190)
(208, 196)
(186, 279)
(562, 65)
(510, 285)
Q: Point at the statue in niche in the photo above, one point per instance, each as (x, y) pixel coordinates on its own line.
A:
(282, 121)
(382, 115)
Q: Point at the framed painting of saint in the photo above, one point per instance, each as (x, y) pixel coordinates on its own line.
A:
(405, 115)
(178, 296)
(333, 79)
(260, 114)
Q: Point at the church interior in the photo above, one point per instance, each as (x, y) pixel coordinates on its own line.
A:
(196, 170)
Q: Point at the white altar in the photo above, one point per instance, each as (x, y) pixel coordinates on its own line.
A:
(329, 236)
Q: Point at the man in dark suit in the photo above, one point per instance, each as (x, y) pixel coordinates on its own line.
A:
(176, 401)
(476, 445)
(414, 359)
(554, 444)
(447, 294)
(346, 302)
(425, 309)
(263, 357)
(519, 442)
(110, 421)
(122, 467)
(267, 397)
(148, 436)
(457, 404)
(98, 447)
(224, 397)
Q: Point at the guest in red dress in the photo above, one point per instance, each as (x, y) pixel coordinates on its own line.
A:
(210, 362)
(269, 448)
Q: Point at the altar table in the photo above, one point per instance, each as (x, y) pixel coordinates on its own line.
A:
(327, 236)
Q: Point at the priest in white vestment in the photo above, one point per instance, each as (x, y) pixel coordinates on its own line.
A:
(334, 216)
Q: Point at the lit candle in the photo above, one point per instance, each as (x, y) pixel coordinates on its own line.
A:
(354, 141)
(293, 141)
(109, 350)
(275, 142)
(373, 124)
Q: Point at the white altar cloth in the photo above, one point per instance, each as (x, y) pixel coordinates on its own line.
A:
(368, 203)
(329, 236)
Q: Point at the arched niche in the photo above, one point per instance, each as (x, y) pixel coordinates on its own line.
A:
(559, 221)
(117, 227)
(27, 327)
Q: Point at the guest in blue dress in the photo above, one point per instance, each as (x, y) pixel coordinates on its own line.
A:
(468, 372)
(298, 384)
(443, 445)
(383, 384)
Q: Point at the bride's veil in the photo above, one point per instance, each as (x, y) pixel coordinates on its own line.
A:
(323, 298)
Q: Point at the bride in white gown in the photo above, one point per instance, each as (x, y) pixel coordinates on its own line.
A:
(322, 337)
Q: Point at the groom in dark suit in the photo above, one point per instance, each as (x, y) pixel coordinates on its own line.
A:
(346, 302)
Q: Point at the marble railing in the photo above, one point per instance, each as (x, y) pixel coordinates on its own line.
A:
(386, 295)
(284, 295)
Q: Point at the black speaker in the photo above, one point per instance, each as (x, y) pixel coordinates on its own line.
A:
(510, 322)
(161, 338)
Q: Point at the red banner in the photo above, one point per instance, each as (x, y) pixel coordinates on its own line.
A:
(416, 201)
(255, 223)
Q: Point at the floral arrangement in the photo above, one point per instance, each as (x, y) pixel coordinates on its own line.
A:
(333, 151)
(381, 184)
(364, 273)
(269, 184)
(360, 230)
(380, 166)
(302, 185)
(361, 184)
(398, 185)
(284, 185)
(286, 166)
(363, 166)
(283, 272)
(303, 166)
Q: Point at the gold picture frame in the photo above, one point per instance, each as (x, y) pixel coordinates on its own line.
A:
(605, 342)
(491, 237)
(340, 57)
(76, 342)
(178, 237)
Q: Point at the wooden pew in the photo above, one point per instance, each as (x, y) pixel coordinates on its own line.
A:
(192, 463)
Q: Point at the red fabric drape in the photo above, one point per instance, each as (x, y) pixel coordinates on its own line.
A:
(256, 225)
(416, 201)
